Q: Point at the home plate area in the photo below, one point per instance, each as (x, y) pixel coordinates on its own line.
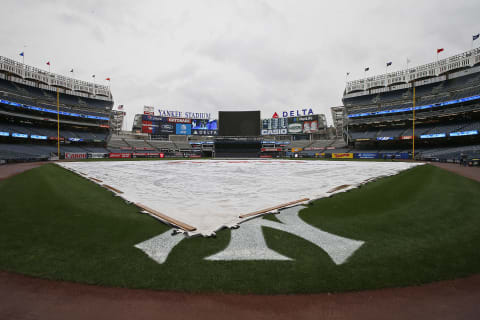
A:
(201, 197)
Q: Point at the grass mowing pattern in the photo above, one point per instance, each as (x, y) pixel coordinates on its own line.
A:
(419, 226)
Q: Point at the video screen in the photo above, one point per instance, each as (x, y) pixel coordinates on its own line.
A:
(239, 123)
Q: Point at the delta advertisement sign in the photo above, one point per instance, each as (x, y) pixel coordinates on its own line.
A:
(294, 113)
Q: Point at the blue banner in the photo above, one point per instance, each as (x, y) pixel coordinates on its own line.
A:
(365, 155)
(183, 128)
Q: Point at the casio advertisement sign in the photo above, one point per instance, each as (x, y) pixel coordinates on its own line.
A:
(274, 131)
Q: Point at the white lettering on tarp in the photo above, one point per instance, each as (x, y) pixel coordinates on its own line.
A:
(248, 242)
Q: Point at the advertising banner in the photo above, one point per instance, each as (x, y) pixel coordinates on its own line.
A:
(274, 131)
(151, 118)
(183, 128)
(96, 155)
(147, 126)
(146, 155)
(366, 155)
(394, 155)
(166, 128)
(204, 127)
(306, 124)
(119, 155)
(148, 110)
(271, 149)
(179, 120)
(201, 132)
(75, 155)
(342, 155)
(313, 148)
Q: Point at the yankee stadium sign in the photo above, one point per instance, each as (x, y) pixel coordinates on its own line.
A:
(181, 114)
(248, 242)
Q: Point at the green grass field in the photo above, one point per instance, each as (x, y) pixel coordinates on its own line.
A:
(419, 226)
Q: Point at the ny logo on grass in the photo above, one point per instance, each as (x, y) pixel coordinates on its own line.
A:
(248, 243)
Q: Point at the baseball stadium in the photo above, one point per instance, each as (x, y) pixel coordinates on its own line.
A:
(246, 206)
(242, 213)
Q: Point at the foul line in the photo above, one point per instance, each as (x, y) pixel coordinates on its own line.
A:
(272, 208)
(163, 217)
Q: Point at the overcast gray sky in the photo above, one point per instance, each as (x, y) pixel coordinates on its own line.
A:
(206, 56)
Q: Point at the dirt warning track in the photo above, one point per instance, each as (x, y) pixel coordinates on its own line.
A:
(23, 297)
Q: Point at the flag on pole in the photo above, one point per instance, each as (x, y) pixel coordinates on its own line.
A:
(389, 64)
(108, 79)
(22, 54)
(348, 73)
(71, 70)
(366, 69)
(439, 50)
(475, 37)
(48, 63)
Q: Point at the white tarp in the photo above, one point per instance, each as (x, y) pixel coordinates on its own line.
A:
(210, 194)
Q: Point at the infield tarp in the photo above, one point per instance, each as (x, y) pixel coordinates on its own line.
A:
(210, 194)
